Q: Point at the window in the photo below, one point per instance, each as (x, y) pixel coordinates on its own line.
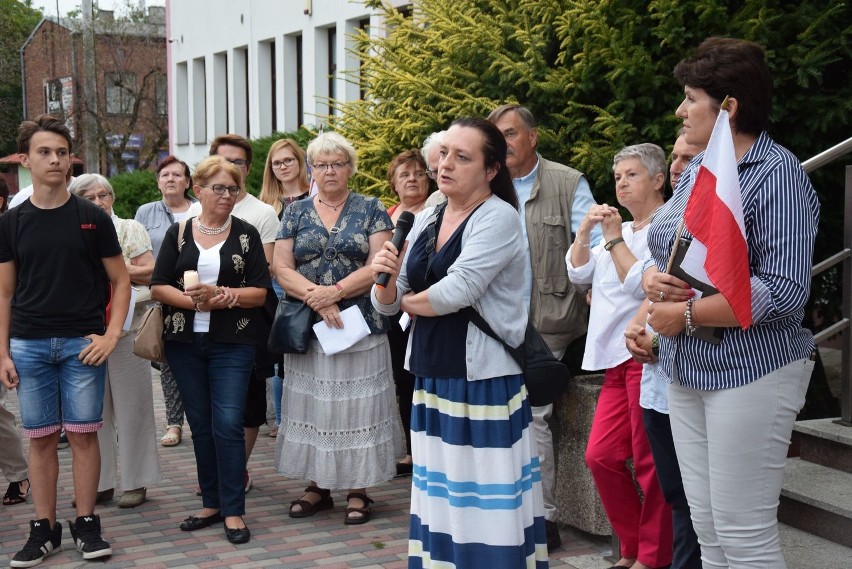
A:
(161, 87)
(120, 93)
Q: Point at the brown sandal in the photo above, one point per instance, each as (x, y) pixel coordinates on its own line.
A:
(365, 511)
(307, 508)
(15, 495)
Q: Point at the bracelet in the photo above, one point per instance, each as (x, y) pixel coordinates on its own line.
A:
(340, 290)
(586, 245)
(690, 329)
(195, 305)
(655, 345)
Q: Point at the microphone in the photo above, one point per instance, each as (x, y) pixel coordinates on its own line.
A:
(400, 232)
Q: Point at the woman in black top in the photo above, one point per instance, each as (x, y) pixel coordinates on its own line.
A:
(211, 329)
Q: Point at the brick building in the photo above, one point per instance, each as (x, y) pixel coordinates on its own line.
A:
(128, 105)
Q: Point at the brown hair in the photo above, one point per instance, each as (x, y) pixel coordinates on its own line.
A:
(231, 140)
(42, 123)
(168, 161)
(401, 159)
(736, 68)
(211, 166)
(272, 189)
(494, 155)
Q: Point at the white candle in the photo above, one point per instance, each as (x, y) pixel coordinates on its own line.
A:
(190, 279)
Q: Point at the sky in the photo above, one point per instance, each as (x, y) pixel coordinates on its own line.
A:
(48, 7)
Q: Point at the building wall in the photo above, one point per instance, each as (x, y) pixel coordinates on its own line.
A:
(55, 55)
(237, 73)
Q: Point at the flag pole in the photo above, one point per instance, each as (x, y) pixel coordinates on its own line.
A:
(679, 231)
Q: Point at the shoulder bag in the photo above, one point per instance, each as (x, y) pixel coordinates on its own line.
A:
(293, 324)
(149, 343)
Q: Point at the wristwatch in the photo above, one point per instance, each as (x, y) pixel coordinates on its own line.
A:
(610, 244)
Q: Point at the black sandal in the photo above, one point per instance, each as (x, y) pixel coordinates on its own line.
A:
(14, 494)
(365, 511)
(307, 508)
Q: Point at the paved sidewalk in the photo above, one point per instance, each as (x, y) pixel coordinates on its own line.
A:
(148, 536)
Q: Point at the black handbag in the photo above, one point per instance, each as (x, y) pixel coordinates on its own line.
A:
(546, 377)
(292, 327)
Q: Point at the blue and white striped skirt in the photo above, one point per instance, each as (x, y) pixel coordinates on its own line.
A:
(476, 489)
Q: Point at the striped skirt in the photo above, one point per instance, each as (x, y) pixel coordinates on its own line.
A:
(476, 489)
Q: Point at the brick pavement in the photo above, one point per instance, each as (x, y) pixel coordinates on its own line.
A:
(148, 536)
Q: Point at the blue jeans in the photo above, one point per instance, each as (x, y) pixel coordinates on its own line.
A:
(213, 380)
(56, 387)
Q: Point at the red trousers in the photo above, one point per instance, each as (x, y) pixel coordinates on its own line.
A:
(644, 526)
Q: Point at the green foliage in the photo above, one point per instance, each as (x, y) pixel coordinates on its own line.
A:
(132, 190)
(260, 148)
(18, 21)
(597, 74)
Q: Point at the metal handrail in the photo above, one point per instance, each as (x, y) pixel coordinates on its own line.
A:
(827, 156)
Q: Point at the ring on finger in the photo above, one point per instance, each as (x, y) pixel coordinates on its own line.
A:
(662, 295)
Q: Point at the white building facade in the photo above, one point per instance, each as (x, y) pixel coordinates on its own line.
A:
(254, 67)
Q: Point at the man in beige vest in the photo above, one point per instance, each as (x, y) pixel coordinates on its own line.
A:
(553, 200)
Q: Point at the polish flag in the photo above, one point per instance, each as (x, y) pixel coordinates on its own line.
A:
(714, 216)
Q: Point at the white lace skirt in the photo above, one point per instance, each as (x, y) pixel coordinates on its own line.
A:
(340, 422)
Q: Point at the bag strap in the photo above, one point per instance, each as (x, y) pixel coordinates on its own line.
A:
(476, 318)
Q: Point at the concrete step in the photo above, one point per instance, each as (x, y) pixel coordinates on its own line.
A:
(825, 442)
(803, 550)
(818, 500)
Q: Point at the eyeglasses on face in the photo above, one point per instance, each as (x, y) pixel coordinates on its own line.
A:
(98, 197)
(286, 163)
(433, 174)
(239, 162)
(220, 189)
(336, 166)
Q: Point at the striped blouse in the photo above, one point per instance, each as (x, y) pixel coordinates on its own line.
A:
(781, 213)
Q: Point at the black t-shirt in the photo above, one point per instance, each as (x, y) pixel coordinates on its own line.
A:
(58, 293)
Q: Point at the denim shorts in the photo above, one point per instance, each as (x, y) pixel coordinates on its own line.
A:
(56, 389)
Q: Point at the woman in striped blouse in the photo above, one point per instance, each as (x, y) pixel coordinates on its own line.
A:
(733, 404)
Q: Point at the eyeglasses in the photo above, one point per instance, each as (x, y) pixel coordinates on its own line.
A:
(287, 162)
(336, 166)
(239, 162)
(98, 197)
(220, 190)
(433, 174)
(407, 175)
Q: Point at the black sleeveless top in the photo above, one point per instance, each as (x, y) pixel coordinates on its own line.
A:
(438, 343)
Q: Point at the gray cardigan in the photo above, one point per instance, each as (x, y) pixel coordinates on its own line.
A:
(488, 276)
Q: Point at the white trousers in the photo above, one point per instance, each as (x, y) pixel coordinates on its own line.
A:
(732, 446)
(128, 436)
(13, 463)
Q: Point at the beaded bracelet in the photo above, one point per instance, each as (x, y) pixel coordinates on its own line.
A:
(690, 329)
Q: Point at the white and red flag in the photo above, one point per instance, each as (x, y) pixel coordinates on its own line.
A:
(714, 216)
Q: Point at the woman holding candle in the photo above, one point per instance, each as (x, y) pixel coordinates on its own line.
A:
(174, 181)
(211, 330)
(128, 436)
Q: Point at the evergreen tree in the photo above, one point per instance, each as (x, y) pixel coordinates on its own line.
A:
(18, 21)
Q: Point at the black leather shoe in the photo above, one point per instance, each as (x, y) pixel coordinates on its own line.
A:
(193, 523)
(554, 540)
(238, 535)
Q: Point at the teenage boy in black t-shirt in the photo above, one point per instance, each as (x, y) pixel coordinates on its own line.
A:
(54, 250)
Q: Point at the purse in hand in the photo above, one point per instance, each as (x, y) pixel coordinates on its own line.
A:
(149, 344)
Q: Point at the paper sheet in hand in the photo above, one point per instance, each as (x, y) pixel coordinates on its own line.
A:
(128, 320)
(688, 265)
(335, 340)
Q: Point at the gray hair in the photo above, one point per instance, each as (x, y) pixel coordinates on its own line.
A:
(330, 143)
(86, 182)
(524, 113)
(650, 155)
(431, 141)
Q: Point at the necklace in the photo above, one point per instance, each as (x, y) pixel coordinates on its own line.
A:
(636, 225)
(212, 230)
(333, 206)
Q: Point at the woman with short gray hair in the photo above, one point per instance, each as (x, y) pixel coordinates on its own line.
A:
(613, 270)
(129, 433)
